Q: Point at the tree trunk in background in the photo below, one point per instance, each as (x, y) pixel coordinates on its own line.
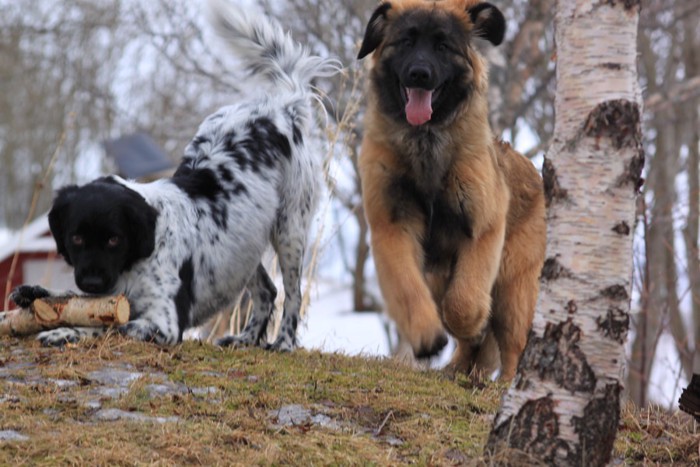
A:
(519, 73)
(691, 233)
(362, 300)
(657, 293)
(670, 76)
(692, 227)
(563, 406)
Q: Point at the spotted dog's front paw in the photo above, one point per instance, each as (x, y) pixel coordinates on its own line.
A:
(283, 344)
(61, 336)
(24, 295)
(146, 331)
(58, 337)
(241, 340)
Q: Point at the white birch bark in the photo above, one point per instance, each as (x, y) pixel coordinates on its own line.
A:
(563, 406)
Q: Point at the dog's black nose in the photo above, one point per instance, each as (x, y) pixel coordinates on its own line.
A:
(91, 284)
(419, 76)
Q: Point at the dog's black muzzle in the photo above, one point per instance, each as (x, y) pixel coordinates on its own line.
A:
(93, 282)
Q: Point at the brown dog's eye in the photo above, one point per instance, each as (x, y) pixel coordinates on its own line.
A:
(77, 240)
(113, 241)
(406, 42)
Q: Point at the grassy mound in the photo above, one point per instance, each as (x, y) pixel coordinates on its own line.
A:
(114, 401)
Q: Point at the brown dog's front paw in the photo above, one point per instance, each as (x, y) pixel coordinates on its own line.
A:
(425, 333)
(431, 346)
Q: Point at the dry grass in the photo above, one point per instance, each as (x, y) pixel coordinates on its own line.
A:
(654, 436)
(380, 412)
(386, 413)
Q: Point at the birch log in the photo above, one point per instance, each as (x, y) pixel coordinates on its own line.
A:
(52, 312)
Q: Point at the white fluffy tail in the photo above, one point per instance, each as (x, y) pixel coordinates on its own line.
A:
(265, 48)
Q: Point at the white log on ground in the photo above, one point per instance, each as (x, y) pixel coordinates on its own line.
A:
(52, 312)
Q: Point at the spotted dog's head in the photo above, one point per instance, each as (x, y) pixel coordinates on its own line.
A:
(102, 229)
(425, 67)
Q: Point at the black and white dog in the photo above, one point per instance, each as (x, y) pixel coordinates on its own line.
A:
(183, 248)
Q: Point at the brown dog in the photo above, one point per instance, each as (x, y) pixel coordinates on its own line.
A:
(457, 217)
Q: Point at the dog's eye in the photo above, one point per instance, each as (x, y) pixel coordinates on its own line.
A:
(113, 241)
(77, 240)
(441, 47)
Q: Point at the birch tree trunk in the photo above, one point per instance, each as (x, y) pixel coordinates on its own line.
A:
(563, 406)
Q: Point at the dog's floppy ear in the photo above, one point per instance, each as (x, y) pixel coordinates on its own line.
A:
(141, 218)
(489, 22)
(374, 34)
(58, 217)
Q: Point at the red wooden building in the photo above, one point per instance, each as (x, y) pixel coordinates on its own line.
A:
(29, 257)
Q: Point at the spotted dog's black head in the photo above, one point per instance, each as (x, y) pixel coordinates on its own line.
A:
(425, 67)
(102, 229)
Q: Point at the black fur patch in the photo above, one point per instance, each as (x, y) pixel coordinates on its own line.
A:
(374, 34)
(225, 173)
(270, 141)
(446, 232)
(262, 147)
(446, 227)
(297, 136)
(197, 183)
(266, 295)
(489, 22)
(197, 142)
(24, 295)
(434, 349)
(185, 295)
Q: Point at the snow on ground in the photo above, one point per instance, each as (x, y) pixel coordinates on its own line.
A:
(5, 235)
(330, 325)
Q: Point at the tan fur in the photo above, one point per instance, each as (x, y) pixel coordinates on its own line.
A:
(489, 296)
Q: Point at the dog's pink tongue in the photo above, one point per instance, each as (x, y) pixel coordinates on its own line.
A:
(419, 106)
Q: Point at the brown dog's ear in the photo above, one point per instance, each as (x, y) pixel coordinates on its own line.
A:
(58, 218)
(489, 22)
(374, 34)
